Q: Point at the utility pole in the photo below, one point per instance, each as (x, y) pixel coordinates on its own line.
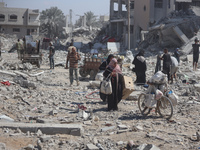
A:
(129, 40)
(70, 15)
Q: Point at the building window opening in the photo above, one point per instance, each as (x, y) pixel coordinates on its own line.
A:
(158, 3)
(2, 17)
(13, 17)
(132, 5)
(145, 8)
(16, 30)
(169, 5)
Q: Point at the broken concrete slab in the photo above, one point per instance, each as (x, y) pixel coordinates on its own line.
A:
(92, 147)
(180, 34)
(7, 73)
(36, 74)
(50, 129)
(148, 147)
(20, 73)
(107, 128)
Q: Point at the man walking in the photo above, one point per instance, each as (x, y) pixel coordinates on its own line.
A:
(73, 57)
(51, 55)
(19, 48)
(195, 53)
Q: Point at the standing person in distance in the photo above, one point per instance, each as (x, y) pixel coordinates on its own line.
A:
(140, 68)
(158, 63)
(166, 63)
(51, 55)
(177, 55)
(73, 59)
(195, 53)
(19, 48)
(117, 82)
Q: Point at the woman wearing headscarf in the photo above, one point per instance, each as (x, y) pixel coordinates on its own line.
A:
(105, 63)
(117, 82)
(140, 68)
(102, 68)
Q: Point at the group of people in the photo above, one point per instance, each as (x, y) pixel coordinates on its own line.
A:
(111, 68)
(170, 63)
(170, 66)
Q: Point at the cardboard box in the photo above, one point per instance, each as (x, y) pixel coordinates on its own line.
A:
(128, 87)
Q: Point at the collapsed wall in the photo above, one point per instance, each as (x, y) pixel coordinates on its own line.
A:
(177, 30)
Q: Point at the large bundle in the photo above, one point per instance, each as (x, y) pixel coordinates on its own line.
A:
(159, 78)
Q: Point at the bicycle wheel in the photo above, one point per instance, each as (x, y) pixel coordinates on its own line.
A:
(165, 107)
(141, 104)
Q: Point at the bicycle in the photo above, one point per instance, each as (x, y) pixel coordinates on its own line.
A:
(163, 104)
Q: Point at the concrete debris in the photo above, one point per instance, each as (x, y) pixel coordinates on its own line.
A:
(6, 118)
(92, 147)
(42, 109)
(3, 146)
(176, 30)
(23, 82)
(50, 129)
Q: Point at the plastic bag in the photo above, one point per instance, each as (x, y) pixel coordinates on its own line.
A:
(159, 94)
(106, 86)
(99, 76)
(150, 101)
(159, 77)
(173, 97)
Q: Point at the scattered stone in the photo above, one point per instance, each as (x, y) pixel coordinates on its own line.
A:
(107, 128)
(92, 147)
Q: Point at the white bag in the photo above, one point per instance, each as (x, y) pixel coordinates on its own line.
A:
(150, 101)
(159, 94)
(173, 97)
(106, 86)
(99, 76)
(159, 77)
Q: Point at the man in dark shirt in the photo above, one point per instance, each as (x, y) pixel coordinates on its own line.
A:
(51, 55)
(166, 63)
(195, 53)
(73, 57)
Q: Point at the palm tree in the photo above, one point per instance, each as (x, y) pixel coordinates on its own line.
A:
(53, 20)
(90, 18)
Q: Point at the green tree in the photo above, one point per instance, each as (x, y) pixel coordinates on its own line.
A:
(52, 21)
(90, 18)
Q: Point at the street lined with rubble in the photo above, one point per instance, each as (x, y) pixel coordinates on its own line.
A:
(40, 110)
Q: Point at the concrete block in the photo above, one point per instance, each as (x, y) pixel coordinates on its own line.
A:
(92, 147)
(180, 34)
(50, 129)
(107, 128)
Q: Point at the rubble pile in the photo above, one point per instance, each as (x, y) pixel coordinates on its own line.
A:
(173, 31)
(41, 111)
(8, 41)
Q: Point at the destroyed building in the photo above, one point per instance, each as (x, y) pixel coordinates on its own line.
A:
(19, 21)
(143, 15)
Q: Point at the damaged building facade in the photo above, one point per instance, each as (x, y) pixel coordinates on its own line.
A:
(19, 21)
(143, 15)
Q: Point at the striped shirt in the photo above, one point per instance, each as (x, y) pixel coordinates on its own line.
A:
(73, 59)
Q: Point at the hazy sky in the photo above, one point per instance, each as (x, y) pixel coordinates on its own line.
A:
(79, 7)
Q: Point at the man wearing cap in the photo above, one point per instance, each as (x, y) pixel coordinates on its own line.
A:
(195, 53)
(51, 55)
